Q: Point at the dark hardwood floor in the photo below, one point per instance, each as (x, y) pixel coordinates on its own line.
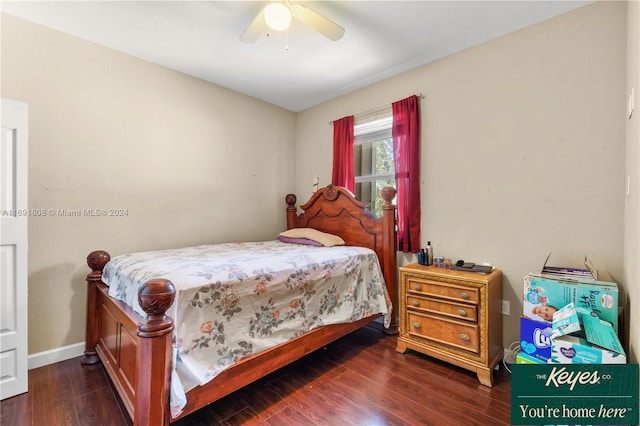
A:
(358, 380)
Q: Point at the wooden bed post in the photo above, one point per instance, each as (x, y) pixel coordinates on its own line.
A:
(154, 354)
(291, 210)
(389, 254)
(96, 261)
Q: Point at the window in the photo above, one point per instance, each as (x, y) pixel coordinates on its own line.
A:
(373, 161)
(362, 153)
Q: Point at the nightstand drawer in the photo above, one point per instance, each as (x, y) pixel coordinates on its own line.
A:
(443, 307)
(453, 333)
(445, 290)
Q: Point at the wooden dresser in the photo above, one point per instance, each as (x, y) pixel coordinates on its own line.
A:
(452, 315)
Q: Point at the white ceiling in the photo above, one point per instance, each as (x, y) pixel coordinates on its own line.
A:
(202, 39)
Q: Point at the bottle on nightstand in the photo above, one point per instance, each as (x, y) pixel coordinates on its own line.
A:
(422, 257)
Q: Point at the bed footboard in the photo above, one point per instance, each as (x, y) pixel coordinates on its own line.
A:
(136, 352)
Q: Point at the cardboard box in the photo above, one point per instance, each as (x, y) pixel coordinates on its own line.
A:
(523, 358)
(535, 339)
(543, 296)
(599, 346)
(566, 321)
(576, 350)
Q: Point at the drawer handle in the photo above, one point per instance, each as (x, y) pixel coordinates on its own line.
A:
(415, 303)
(462, 312)
(465, 337)
(416, 324)
(417, 287)
(464, 295)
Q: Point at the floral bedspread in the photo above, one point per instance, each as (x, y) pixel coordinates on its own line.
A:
(234, 300)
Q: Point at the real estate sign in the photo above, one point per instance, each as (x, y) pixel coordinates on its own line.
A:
(602, 394)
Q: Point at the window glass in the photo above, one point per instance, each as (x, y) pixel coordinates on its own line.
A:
(373, 158)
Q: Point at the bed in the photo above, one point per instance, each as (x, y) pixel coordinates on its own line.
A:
(136, 344)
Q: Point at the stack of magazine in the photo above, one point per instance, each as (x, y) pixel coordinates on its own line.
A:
(559, 272)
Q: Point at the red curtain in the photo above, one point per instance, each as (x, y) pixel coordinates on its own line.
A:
(343, 168)
(406, 149)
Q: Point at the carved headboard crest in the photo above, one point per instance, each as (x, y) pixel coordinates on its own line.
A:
(330, 192)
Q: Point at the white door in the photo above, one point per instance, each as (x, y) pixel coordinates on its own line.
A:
(13, 248)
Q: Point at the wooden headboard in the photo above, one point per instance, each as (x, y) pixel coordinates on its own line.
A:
(335, 210)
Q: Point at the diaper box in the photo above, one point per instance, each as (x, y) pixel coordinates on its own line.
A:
(523, 358)
(576, 350)
(581, 337)
(535, 339)
(543, 296)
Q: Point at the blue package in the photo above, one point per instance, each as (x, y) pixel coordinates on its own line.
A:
(535, 338)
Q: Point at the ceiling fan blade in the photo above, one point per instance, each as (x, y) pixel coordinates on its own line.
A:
(324, 26)
(255, 29)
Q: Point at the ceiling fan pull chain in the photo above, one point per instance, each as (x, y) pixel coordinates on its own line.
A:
(286, 40)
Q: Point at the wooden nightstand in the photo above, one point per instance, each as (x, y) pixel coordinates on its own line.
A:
(452, 315)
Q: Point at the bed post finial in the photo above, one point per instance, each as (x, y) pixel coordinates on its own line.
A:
(96, 261)
(388, 193)
(291, 200)
(155, 297)
(291, 210)
(154, 373)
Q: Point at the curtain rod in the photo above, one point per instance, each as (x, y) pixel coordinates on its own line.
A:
(418, 95)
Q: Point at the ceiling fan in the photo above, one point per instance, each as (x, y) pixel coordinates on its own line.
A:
(277, 16)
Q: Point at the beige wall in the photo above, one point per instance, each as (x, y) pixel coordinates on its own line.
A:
(192, 163)
(522, 147)
(632, 169)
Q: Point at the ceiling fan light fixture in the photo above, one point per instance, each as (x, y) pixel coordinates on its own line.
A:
(277, 16)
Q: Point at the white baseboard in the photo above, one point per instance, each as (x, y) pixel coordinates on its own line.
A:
(52, 356)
